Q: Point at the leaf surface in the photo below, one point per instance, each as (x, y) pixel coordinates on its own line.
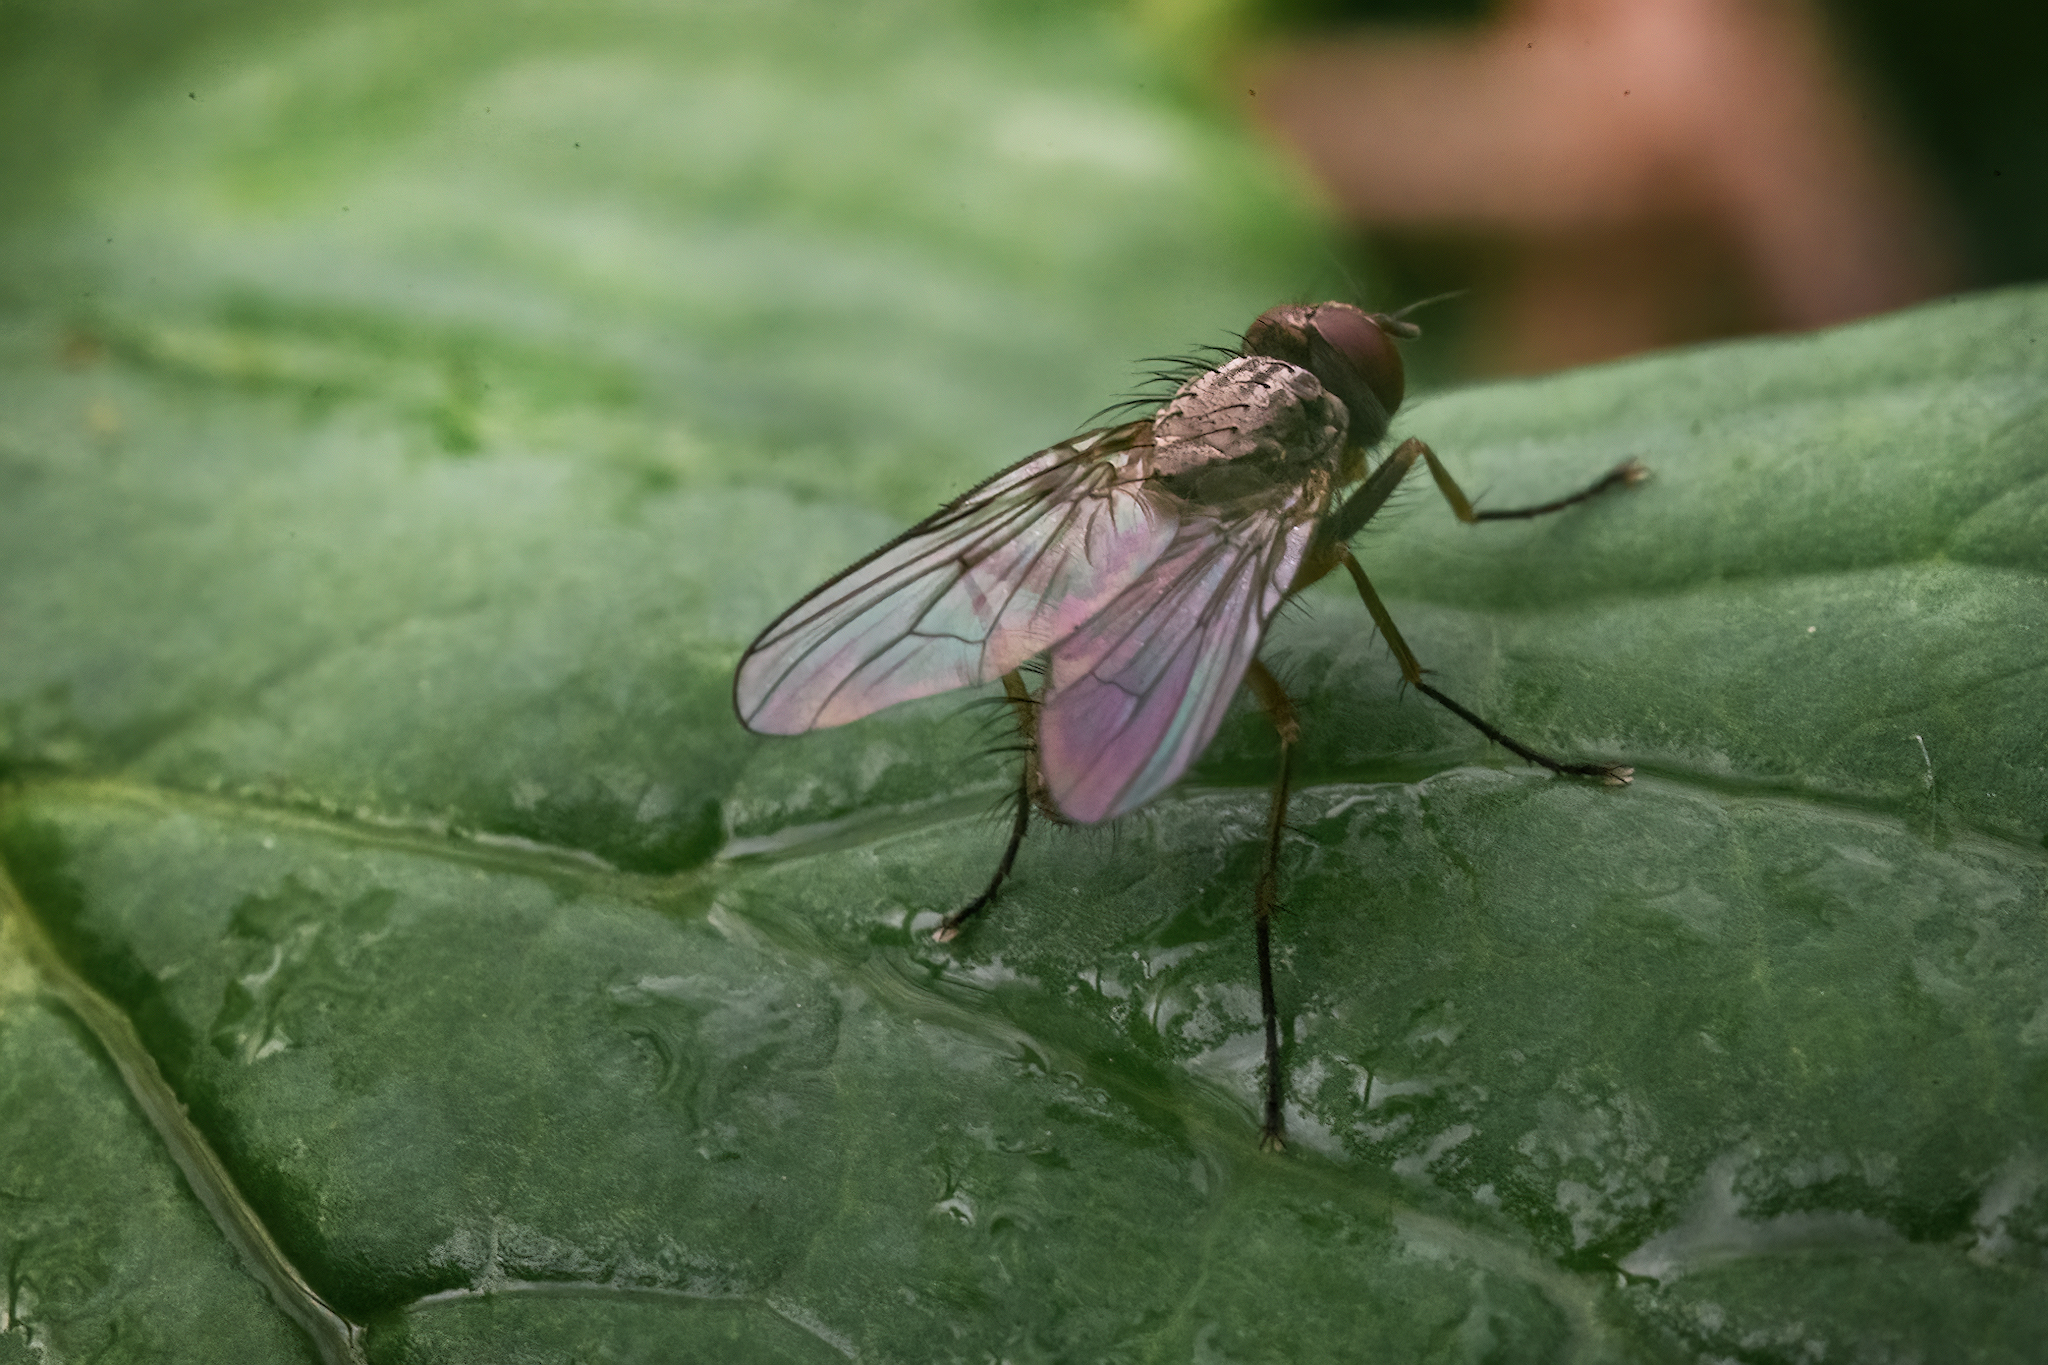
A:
(408, 416)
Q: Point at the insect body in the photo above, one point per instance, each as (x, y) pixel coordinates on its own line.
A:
(1144, 563)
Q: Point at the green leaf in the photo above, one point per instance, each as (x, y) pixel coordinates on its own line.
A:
(409, 414)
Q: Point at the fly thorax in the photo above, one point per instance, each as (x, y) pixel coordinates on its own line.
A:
(1256, 426)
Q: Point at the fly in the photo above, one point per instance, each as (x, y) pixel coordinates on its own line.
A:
(1142, 563)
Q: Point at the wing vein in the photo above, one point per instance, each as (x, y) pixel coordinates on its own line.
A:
(1004, 572)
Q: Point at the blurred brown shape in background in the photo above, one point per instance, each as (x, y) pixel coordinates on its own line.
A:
(1638, 173)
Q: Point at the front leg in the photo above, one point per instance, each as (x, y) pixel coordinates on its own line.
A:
(1360, 508)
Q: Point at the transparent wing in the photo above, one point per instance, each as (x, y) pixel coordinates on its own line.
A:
(1008, 570)
(1137, 693)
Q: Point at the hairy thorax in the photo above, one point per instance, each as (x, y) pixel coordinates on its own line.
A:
(1255, 429)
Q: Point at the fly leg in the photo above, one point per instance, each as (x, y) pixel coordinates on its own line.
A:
(1030, 792)
(1624, 475)
(1266, 899)
(1360, 507)
(1329, 551)
(1612, 774)
(1627, 474)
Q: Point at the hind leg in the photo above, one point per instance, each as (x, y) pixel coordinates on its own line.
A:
(1030, 791)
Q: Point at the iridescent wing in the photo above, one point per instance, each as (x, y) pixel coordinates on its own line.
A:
(1136, 694)
(1008, 570)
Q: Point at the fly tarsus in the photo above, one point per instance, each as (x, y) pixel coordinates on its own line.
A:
(949, 927)
(1279, 708)
(1612, 774)
(1030, 792)
(1627, 474)
(1273, 1132)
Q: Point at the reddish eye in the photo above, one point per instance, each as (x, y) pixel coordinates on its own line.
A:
(1342, 346)
(1362, 339)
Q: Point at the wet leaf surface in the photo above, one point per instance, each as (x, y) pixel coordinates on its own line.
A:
(407, 418)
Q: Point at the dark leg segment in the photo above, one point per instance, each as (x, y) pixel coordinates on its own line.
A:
(1613, 775)
(1273, 1132)
(1021, 702)
(1624, 475)
(1325, 554)
(1266, 899)
(1364, 503)
(949, 927)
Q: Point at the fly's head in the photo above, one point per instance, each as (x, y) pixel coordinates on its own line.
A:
(1350, 352)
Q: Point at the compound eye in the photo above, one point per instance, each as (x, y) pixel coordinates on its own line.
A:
(1367, 343)
(1281, 333)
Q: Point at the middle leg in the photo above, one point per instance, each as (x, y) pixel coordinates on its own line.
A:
(1613, 775)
